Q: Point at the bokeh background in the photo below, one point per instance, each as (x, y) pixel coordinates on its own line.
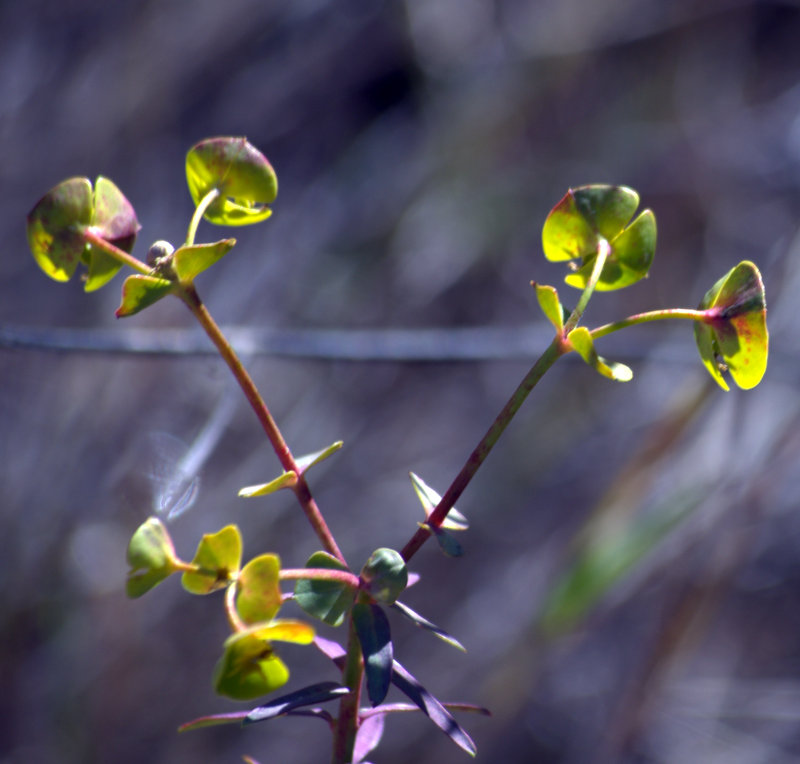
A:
(631, 585)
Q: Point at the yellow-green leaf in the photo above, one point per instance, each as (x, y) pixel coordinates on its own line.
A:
(259, 593)
(218, 558)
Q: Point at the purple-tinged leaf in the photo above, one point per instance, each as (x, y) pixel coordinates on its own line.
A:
(213, 720)
(375, 638)
(308, 696)
(368, 737)
(432, 708)
(424, 623)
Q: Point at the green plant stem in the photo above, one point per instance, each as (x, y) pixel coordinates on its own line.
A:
(603, 251)
(118, 254)
(189, 295)
(320, 574)
(236, 623)
(344, 736)
(653, 315)
(556, 349)
(199, 211)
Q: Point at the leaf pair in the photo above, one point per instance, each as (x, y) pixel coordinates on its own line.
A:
(588, 215)
(62, 223)
(58, 225)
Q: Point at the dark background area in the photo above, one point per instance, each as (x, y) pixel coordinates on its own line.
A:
(419, 146)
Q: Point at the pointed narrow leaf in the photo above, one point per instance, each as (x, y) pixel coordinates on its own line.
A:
(259, 593)
(241, 173)
(581, 340)
(218, 557)
(375, 638)
(321, 692)
(446, 541)
(309, 460)
(735, 336)
(550, 305)
(424, 623)
(429, 498)
(213, 720)
(190, 261)
(385, 575)
(285, 480)
(432, 708)
(139, 292)
(326, 600)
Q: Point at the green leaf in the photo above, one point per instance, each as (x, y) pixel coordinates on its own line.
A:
(734, 337)
(372, 628)
(151, 556)
(139, 292)
(259, 593)
(309, 460)
(189, 261)
(385, 575)
(285, 480)
(218, 558)
(424, 623)
(249, 668)
(605, 557)
(550, 305)
(589, 214)
(240, 173)
(446, 541)
(453, 520)
(115, 220)
(57, 227)
(326, 600)
(582, 342)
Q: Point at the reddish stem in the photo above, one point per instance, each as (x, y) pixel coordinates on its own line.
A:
(189, 295)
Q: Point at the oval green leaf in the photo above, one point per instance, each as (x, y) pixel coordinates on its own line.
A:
(374, 636)
(56, 225)
(248, 668)
(259, 593)
(385, 575)
(240, 173)
(326, 600)
(151, 556)
(115, 220)
(734, 337)
(588, 214)
(550, 305)
(218, 558)
(582, 342)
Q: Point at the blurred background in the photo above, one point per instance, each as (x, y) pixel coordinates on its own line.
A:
(630, 590)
